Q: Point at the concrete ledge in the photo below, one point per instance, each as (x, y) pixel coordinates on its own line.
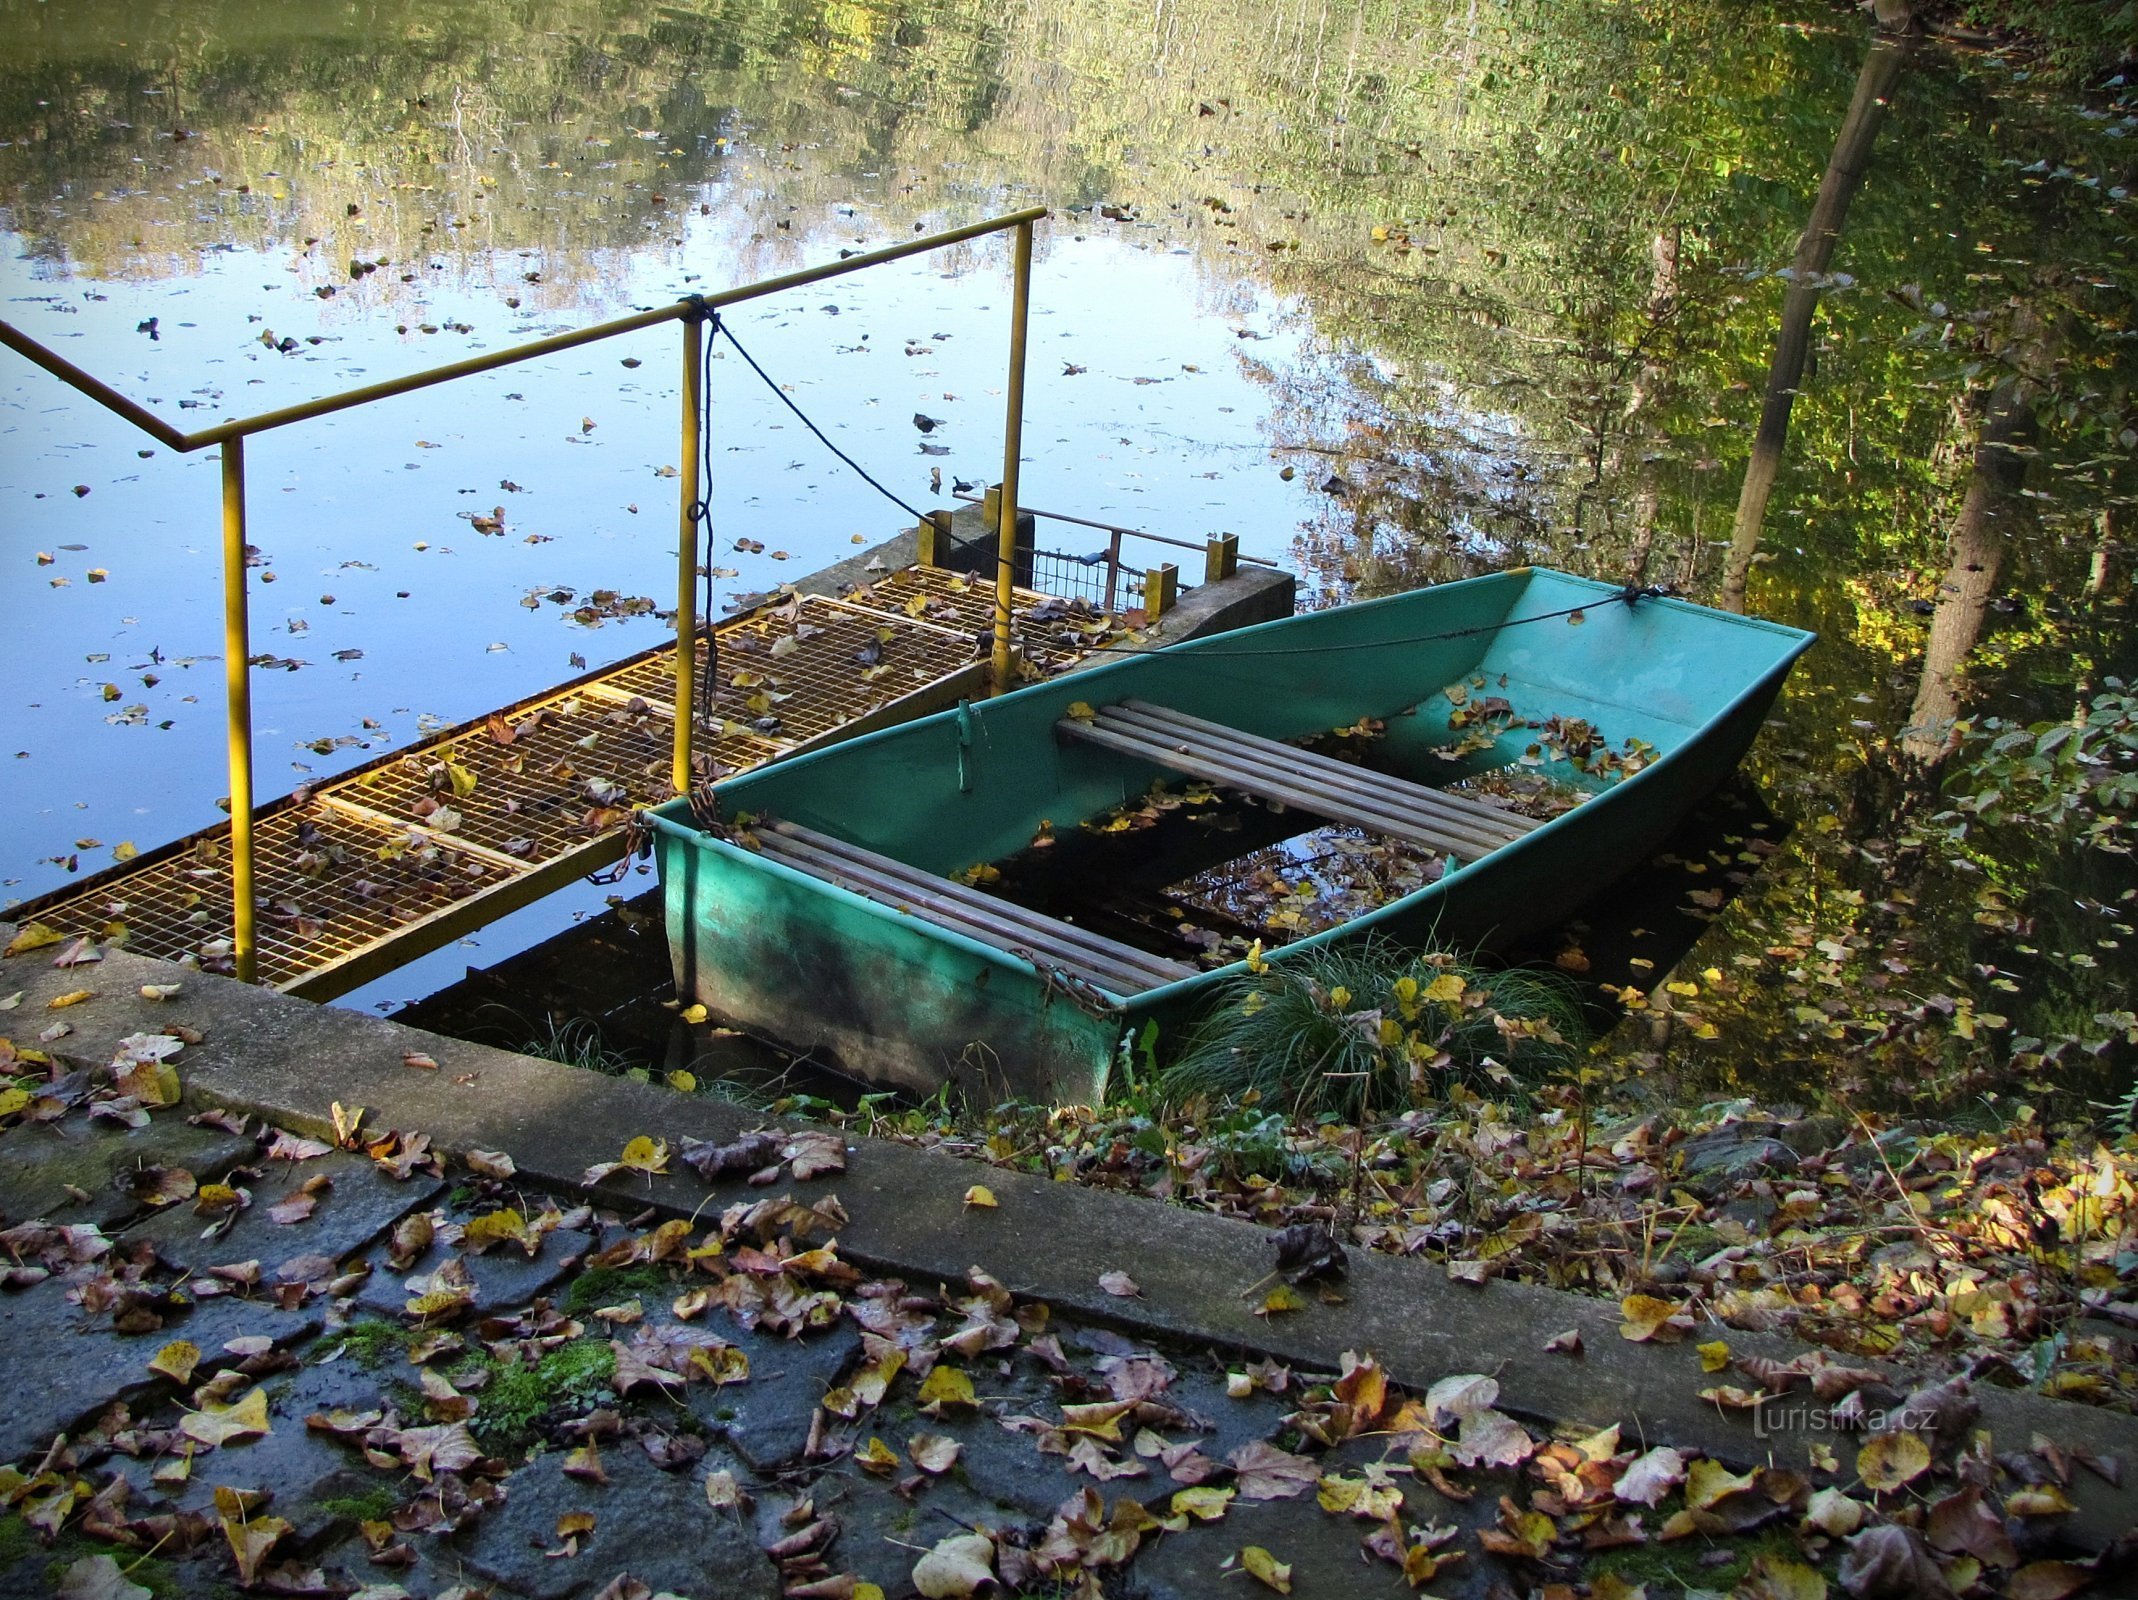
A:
(1252, 594)
(291, 1061)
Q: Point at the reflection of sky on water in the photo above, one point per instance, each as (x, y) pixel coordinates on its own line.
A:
(360, 517)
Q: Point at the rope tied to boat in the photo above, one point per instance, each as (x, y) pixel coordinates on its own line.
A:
(1086, 997)
(1630, 595)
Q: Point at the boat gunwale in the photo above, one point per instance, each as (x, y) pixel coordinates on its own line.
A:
(1766, 685)
(1209, 645)
(704, 839)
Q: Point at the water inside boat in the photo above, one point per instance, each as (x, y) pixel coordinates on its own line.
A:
(1200, 873)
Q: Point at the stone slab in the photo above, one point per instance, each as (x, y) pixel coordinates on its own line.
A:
(1326, 1553)
(363, 1203)
(300, 1469)
(766, 1421)
(263, 1054)
(70, 1368)
(506, 1277)
(1251, 595)
(652, 1524)
(38, 1162)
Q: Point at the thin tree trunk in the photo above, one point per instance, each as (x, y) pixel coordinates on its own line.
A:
(2104, 556)
(1980, 535)
(1844, 175)
(1647, 387)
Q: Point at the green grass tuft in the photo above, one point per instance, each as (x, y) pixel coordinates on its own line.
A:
(579, 1043)
(1357, 1030)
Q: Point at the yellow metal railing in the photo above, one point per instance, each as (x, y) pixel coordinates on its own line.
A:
(692, 313)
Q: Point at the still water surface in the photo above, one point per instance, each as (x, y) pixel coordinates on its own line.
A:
(1395, 292)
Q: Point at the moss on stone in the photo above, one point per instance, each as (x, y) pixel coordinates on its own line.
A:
(607, 1286)
(374, 1505)
(518, 1396)
(373, 1343)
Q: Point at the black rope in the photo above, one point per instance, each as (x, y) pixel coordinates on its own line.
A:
(720, 326)
(701, 511)
(1631, 595)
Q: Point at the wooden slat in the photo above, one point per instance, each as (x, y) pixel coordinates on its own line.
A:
(1467, 820)
(943, 897)
(1264, 783)
(1105, 963)
(1492, 819)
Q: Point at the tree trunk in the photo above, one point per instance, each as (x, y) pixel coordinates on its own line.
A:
(2104, 556)
(1844, 175)
(1647, 388)
(1979, 537)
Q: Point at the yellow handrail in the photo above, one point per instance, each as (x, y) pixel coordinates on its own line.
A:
(692, 313)
(1012, 447)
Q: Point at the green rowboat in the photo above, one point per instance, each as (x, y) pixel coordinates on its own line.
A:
(827, 904)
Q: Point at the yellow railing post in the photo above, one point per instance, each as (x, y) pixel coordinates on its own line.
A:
(1221, 557)
(932, 544)
(237, 681)
(1012, 447)
(687, 552)
(1161, 590)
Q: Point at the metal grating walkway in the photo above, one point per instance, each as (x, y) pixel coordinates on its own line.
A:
(371, 869)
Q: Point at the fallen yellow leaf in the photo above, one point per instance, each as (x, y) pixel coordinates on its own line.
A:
(1707, 1483)
(948, 1386)
(33, 936)
(1202, 1502)
(1890, 1460)
(1281, 1299)
(1267, 1569)
(176, 1360)
(1447, 989)
(1648, 1317)
(214, 1425)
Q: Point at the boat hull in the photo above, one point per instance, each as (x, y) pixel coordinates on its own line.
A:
(879, 992)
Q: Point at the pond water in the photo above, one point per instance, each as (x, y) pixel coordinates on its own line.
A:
(1396, 292)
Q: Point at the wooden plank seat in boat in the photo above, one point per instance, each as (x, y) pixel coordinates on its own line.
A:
(1046, 941)
(1270, 770)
